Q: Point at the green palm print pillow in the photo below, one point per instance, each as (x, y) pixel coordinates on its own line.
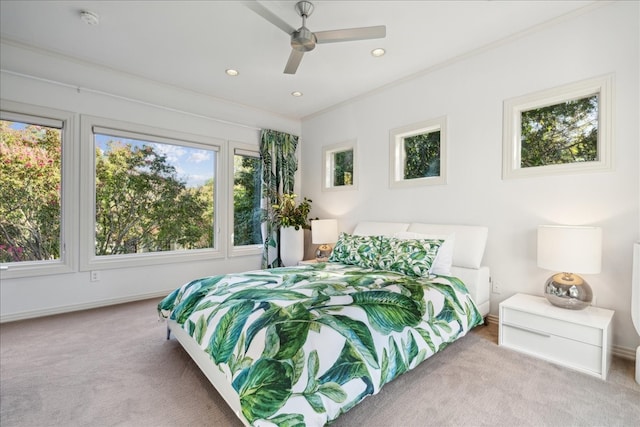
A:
(412, 257)
(362, 251)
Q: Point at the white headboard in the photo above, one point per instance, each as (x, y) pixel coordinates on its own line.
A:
(468, 250)
(371, 228)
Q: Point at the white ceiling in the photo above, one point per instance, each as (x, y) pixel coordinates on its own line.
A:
(189, 44)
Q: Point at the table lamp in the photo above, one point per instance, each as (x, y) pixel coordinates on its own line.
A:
(323, 233)
(569, 249)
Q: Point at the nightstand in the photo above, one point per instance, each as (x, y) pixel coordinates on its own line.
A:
(307, 261)
(577, 339)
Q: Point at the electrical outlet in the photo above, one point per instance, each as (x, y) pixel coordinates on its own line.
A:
(95, 276)
(495, 286)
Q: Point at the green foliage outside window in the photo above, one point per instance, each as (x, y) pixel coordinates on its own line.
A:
(561, 133)
(343, 168)
(30, 200)
(143, 206)
(422, 155)
(246, 200)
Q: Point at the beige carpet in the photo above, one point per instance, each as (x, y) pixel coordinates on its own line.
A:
(113, 367)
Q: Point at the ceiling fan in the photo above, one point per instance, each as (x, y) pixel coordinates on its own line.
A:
(303, 40)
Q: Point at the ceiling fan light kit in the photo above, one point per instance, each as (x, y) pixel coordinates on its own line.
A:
(303, 40)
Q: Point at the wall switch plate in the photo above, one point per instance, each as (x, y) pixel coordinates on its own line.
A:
(495, 286)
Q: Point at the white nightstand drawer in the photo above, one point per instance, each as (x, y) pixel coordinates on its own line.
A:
(578, 339)
(552, 326)
(553, 348)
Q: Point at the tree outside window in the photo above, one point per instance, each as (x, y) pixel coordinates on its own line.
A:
(562, 130)
(422, 155)
(247, 173)
(343, 168)
(562, 133)
(339, 168)
(152, 197)
(30, 189)
(418, 154)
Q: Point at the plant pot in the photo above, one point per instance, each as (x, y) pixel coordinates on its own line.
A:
(291, 245)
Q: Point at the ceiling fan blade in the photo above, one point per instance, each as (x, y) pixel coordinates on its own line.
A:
(351, 34)
(294, 61)
(269, 16)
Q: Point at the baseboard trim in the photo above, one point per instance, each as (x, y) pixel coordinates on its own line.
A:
(79, 307)
(493, 319)
(616, 350)
(624, 352)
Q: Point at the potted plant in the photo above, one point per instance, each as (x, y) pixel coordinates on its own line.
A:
(287, 214)
(292, 219)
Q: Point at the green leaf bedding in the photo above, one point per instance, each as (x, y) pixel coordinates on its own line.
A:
(302, 345)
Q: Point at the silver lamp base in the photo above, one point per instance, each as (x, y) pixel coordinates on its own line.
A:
(568, 290)
(323, 253)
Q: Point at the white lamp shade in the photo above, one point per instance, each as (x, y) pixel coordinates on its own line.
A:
(324, 231)
(570, 249)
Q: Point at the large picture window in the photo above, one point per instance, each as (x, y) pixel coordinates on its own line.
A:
(418, 154)
(246, 171)
(36, 146)
(562, 130)
(153, 194)
(31, 204)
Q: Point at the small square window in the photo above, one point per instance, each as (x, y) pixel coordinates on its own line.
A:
(418, 154)
(339, 166)
(562, 130)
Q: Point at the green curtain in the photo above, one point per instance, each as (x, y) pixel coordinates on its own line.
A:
(279, 165)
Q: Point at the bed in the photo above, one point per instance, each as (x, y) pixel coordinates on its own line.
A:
(301, 345)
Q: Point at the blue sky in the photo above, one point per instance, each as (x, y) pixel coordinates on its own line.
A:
(194, 165)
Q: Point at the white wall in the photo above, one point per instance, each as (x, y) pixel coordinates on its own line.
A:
(470, 92)
(27, 297)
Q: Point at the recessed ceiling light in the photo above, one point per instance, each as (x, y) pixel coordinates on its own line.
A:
(378, 52)
(232, 72)
(296, 93)
(90, 18)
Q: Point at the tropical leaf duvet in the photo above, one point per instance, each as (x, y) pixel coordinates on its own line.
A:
(302, 345)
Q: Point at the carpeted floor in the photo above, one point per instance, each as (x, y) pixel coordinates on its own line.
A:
(113, 367)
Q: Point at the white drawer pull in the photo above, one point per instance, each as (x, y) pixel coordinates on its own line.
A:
(533, 331)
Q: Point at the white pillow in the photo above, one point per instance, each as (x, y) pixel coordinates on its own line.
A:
(444, 258)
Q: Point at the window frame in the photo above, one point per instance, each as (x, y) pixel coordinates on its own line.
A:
(328, 165)
(88, 259)
(396, 153)
(233, 250)
(512, 114)
(69, 189)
